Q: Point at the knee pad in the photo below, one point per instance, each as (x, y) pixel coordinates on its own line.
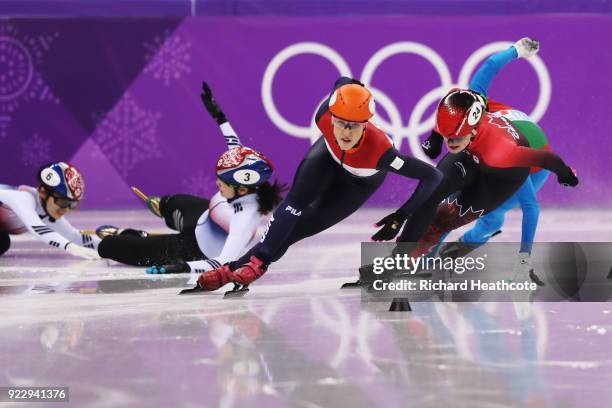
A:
(5, 242)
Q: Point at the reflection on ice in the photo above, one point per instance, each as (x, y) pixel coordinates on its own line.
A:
(119, 337)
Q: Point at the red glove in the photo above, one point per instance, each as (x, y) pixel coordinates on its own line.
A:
(250, 271)
(213, 280)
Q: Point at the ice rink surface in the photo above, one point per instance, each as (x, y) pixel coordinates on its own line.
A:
(118, 337)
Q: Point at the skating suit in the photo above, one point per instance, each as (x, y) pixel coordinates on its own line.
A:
(21, 211)
(331, 184)
(226, 230)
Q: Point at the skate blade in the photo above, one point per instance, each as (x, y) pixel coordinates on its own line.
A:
(400, 305)
(191, 291)
(237, 292)
(351, 285)
(536, 279)
(140, 194)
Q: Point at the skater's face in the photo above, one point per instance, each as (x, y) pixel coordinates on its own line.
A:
(457, 144)
(347, 133)
(56, 206)
(230, 192)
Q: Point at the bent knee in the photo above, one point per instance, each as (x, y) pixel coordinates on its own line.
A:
(5, 242)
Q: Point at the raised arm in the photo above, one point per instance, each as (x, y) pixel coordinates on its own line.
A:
(482, 79)
(213, 108)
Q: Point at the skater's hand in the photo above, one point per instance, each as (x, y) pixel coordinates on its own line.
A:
(527, 47)
(211, 105)
(357, 82)
(82, 252)
(391, 226)
(570, 179)
(432, 146)
(180, 267)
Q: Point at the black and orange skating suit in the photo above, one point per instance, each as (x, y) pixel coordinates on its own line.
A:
(331, 184)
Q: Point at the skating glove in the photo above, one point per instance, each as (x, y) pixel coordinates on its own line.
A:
(180, 267)
(391, 226)
(211, 105)
(527, 47)
(569, 179)
(356, 81)
(432, 146)
(82, 252)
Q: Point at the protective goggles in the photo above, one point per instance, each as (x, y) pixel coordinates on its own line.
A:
(63, 202)
(352, 126)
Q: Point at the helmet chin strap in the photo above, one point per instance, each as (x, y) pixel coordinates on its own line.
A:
(44, 206)
(236, 195)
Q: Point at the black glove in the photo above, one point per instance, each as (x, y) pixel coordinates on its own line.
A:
(211, 105)
(391, 226)
(356, 81)
(432, 146)
(569, 179)
(180, 267)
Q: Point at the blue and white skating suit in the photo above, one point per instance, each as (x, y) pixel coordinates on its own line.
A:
(226, 230)
(21, 211)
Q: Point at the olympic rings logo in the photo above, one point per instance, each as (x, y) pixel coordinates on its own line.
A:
(395, 127)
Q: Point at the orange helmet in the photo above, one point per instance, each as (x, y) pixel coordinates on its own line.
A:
(352, 102)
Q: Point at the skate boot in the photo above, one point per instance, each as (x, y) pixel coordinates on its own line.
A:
(105, 231)
(523, 271)
(367, 277)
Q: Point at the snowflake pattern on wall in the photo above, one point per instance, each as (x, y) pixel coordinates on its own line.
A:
(200, 183)
(128, 135)
(167, 57)
(20, 57)
(35, 152)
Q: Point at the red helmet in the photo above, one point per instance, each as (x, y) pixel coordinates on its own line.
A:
(459, 112)
(352, 102)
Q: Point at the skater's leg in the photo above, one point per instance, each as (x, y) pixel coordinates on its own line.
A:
(531, 208)
(340, 200)
(153, 250)
(459, 171)
(181, 211)
(5, 242)
(489, 224)
(315, 173)
(488, 192)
